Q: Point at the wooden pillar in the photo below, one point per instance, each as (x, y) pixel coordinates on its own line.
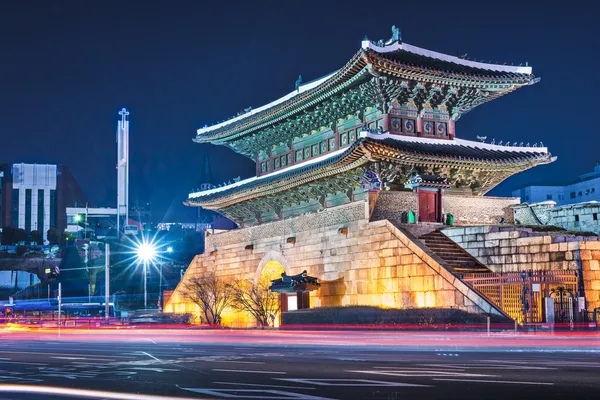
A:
(419, 127)
(451, 130)
(283, 302)
(303, 300)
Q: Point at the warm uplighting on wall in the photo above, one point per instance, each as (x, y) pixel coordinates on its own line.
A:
(343, 231)
(291, 239)
(214, 253)
(249, 247)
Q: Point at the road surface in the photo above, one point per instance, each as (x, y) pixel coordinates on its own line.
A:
(215, 364)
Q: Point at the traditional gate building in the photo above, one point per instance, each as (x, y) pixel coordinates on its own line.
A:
(344, 162)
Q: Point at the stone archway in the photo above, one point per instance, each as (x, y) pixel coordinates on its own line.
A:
(271, 267)
(269, 260)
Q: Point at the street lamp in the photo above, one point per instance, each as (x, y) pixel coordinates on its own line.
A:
(146, 252)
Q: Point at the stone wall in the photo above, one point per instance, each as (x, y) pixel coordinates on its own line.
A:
(533, 214)
(513, 249)
(394, 205)
(580, 217)
(590, 267)
(583, 217)
(467, 210)
(373, 264)
(478, 210)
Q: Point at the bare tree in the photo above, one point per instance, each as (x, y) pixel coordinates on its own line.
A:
(211, 293)
(258, 300)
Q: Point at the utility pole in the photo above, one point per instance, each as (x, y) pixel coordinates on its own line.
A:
(59, 302)
(145, 287)
(106, 282)
(85, 226)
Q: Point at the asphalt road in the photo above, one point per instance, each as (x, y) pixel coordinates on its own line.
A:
(274, 365)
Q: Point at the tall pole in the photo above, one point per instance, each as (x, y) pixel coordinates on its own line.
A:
(106, 281)
(59, 302)
(145, 289)
(85, 226)
(123, 168)
(160, 288)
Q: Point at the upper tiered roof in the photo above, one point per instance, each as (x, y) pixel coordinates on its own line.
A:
(378, 74)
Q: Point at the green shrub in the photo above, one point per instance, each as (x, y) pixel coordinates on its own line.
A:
(351, 315)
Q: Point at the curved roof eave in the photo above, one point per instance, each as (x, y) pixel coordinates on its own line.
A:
(327, 79)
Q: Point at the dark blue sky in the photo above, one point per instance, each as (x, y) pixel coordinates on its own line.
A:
(67, 67)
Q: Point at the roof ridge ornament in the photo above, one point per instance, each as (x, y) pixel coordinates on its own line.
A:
(298, 82)
(396, 35)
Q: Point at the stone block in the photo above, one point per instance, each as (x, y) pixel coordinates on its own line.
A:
(593, 265)
(416, 283)
(524, 241)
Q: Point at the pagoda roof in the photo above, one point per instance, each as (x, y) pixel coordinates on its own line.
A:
(477, 82)
(497, 161)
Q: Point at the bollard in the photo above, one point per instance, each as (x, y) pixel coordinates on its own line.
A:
(515, 326)
(488, 326)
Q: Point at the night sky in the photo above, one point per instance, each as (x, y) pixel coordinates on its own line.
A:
(67, 67)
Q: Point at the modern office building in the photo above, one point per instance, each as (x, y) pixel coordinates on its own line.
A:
(586, 188)
(35, 196)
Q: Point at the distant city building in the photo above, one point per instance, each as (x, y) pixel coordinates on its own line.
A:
(85, 222)
(585, 188)
(141, 212)
(35, 196)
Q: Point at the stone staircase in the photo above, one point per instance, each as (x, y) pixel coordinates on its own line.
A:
(420, 229)
(456, 257)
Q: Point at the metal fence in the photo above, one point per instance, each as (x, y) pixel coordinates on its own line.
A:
(521, 295)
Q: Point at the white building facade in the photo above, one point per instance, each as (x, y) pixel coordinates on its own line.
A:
(34, 197)
(585, 189)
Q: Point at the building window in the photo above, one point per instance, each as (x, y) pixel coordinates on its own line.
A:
(298, 155)
(595, 216)
(440, 129)
(561, 197)
(428, 127)
(331, 144)
(572, 195)
(587, 192)
(343, 139)
(526, 198)
(548, 197)
(408, 126)
(577, 218)
(593, 190)
(579, 194)
(53, 208)
(27, 210)
(323, 147)
(40, 213)
(15, 208)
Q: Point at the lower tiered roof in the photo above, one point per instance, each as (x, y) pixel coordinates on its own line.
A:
(393, 158)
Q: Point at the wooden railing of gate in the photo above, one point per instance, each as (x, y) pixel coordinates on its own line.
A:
(506, 290)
